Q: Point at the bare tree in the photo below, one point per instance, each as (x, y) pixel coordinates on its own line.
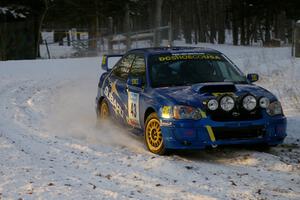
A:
(39, 20)
(221, 21)
(212, 20)
(127, 26)
(200, 19)
(157, 21)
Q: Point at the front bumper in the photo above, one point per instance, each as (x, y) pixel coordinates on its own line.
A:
(199, 134)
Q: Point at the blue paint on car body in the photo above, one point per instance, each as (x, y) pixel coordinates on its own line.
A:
(180, 96)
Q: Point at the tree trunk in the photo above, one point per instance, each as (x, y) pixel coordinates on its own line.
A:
(235, 28)
(280, 26)
(200, 20)
(254, 29)
(221, 21)
(127, 27)
(92, 31)
(157, 21)
(3, 31)
(68, 38)
(187, 23)
(242, 20)
(212, 20)
(39, 22)
(171, 20)
(151, 14)
(268, 28)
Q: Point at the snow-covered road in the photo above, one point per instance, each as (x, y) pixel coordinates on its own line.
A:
(50, 147)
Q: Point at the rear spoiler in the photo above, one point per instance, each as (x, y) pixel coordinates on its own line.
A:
(109, 61)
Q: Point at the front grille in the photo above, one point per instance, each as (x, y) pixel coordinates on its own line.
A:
(224, 133)
(222, 116)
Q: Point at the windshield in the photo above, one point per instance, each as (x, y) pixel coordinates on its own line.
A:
(187, 69)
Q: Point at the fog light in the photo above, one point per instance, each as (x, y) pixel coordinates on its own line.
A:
(264, 102)
(212, 104)
(249, 102)
(227, 103)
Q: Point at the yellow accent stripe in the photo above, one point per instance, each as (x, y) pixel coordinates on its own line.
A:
(203, 114)
(211, 133)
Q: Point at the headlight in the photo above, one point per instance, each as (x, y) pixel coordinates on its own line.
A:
(212, 104)
(186, 112)
(227, 103)
(180, 112)
(264, 102)
(274, 108)
(249, 102)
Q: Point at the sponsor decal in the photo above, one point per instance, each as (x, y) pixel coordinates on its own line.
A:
(175, 57)
(164, 123)
(134, 81)
(110, 96)
(236, 114)
(114, 89)
(133, 109)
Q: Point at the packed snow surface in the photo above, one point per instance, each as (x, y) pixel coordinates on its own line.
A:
(51, 148)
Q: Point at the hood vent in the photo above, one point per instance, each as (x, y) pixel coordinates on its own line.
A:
(217, 87)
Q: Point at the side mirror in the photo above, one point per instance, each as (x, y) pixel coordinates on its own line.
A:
(109, 61)
(252, 77)
(135, 81)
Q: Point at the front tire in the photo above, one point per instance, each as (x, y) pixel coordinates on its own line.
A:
(153, 136)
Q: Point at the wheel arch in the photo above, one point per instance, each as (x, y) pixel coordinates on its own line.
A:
(148, 111)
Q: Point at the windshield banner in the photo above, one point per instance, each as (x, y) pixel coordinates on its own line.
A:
(175, 57)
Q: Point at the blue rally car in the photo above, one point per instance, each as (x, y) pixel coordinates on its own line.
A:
(188, 98)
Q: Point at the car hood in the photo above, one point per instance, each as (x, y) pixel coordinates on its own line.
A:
(196, 94)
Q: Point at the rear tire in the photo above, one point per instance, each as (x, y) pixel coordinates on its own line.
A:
(153, 136)
(103, 112)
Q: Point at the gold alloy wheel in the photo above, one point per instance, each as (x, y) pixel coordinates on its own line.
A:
(153, 136)
(104, 110)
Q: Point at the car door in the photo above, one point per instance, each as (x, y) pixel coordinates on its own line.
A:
(137, 72)
(117, 88)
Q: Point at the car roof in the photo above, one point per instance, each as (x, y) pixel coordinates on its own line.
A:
(173, 50)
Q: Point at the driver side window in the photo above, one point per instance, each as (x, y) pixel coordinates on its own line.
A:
(122, 68)
(138, 69)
